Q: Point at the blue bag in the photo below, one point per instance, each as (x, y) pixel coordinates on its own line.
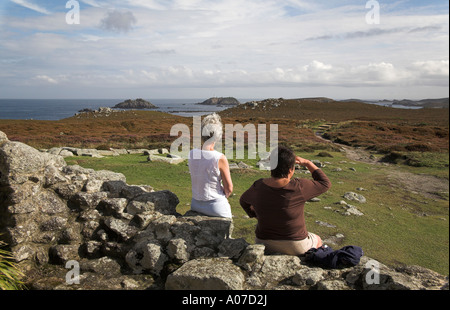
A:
(326, 257)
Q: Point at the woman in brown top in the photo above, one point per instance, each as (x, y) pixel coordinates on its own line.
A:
(278, 204)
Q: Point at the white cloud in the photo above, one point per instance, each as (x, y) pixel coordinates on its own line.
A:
(433, 68)
(224, 44)
(46, 79)
(93, 3)
(432, 72)
(147, 4)
(315, 74)
(31, 6)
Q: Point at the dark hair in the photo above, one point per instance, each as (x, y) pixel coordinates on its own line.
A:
(286, 161)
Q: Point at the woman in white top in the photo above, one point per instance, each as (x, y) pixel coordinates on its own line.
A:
(210, 172)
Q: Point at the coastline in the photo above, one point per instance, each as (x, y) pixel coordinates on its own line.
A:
(58, 109)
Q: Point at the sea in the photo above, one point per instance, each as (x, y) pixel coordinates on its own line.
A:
(56, 109)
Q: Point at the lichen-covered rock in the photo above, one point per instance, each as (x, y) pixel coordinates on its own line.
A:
(3, 138)
(355, 197)
(19, 161)
(146, 257)
(207, 274)
(177, 250)
(308, 276)
(232, 248)
(252, 258)
(274, 270)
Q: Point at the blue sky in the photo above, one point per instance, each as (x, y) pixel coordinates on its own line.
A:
(241, 48)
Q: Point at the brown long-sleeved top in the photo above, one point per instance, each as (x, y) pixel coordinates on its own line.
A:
(280, 211)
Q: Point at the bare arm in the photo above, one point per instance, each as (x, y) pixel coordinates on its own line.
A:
(224, 169)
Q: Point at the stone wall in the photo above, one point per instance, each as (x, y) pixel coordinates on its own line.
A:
(55, 217)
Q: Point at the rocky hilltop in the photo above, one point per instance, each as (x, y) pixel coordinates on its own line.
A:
(57, 217)
(227, 101)
(135, 104)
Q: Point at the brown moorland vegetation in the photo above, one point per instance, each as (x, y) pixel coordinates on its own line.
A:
(387, 137)
(377, 128)
(381, 129)
(337, 111)
(124, 129)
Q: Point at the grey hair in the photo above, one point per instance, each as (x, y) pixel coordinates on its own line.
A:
(212, 128)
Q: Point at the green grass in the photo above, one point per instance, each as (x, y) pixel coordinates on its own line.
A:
(428, 159)
(393, 229)
(10, 276)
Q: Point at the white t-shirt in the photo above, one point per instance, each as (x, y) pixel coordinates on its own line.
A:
(207, 190)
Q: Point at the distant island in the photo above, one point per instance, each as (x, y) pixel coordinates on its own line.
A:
(440, 103)
(426, 103)
(135, 104)
(221, 101)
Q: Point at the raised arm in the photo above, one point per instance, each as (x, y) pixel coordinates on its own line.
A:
(306, 163)
(320, 183)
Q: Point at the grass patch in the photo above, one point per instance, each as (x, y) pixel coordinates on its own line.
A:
(417, 145)
(428, 159)
(398, 227)
(10, 275)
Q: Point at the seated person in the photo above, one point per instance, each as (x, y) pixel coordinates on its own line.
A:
(278, 204)
(210, 173)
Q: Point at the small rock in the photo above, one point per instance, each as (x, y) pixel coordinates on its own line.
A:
(243, 165)
(332, 285)
(334, 240)
(206, 274)
(308, 276)
(352, 210)
(232, 248)
(355, 197)
(325, 224)
(177, 249)
(253, 255)
(318, 163)
(122, 229)
(233, 166)
(146, 256)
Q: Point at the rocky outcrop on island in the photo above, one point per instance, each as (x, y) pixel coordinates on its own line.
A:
(73, 228)
(227, 101)
(135, 104)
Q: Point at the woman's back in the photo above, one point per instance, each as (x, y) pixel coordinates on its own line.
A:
(205, 175)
